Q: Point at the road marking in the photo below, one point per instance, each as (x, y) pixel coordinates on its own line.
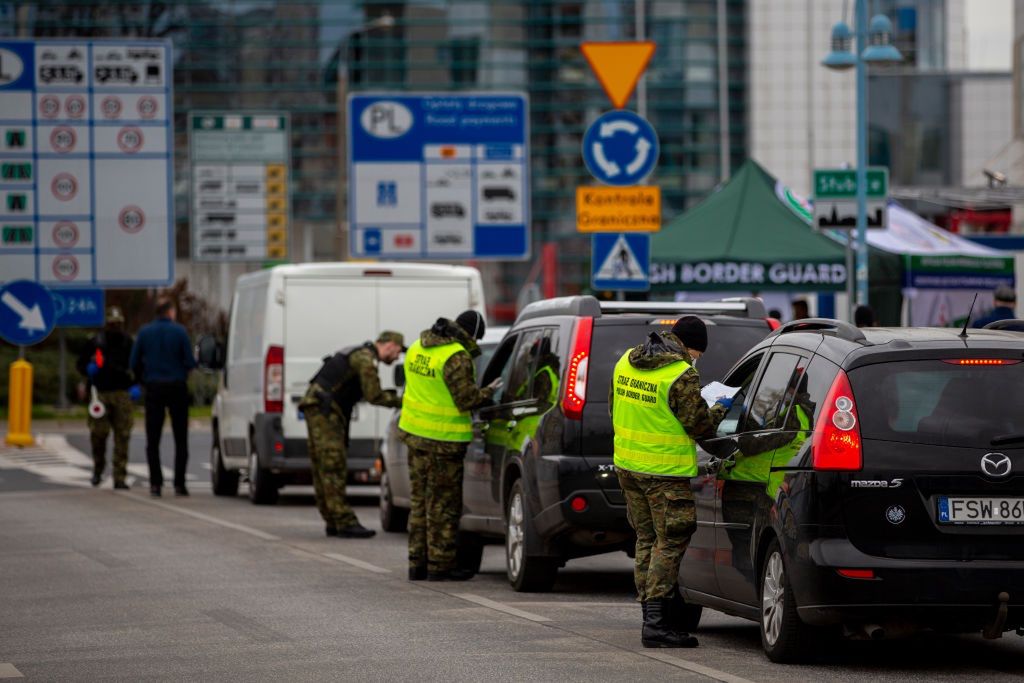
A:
(694, 667)
(206, 518)
(500, 607)
(358, 563)
(7, 670)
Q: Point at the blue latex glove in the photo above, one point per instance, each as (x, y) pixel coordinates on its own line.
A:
(91, 369)
(724, 401)
(135, 393)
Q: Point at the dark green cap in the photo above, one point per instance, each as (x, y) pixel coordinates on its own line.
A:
(392, 336)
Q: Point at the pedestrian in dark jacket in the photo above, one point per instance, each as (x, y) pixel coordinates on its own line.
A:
(162, 358)
(106, 364)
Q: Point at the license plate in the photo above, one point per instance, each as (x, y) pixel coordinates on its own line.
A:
(969, 510)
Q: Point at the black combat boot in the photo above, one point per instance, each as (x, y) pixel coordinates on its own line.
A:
(97, 476)
(657, 632)
(121, 485)
(418, 573)
(456, 574)
(355, 530)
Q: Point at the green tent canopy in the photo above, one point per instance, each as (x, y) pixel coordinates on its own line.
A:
(743, 237)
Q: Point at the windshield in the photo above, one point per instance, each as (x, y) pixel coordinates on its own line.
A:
(726, 345)
(939, 403)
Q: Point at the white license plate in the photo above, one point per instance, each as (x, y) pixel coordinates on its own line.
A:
(977, 510)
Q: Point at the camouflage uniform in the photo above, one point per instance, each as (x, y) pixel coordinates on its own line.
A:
(661, 509)
(327, 423)
(120, 417)
(436, 467)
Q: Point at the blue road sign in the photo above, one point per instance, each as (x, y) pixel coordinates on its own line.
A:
(78, 307)
(27, 315)
(620, 148)
(439, 176)
(621, 260)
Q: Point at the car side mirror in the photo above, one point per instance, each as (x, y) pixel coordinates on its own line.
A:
(400, 376)
(210, 353)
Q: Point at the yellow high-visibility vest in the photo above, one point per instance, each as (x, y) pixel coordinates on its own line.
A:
(428, 410)
(648, 436)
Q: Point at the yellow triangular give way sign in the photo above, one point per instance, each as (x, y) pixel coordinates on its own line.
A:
(618, 66)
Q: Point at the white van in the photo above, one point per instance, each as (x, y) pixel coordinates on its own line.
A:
(284, 321)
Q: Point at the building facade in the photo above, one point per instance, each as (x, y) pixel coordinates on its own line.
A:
(304, 57)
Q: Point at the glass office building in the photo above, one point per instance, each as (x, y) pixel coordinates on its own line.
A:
(303, 57)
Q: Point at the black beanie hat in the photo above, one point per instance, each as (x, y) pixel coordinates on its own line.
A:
(692, 331)
(473, 323)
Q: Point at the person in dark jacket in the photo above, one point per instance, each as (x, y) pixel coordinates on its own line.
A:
(162, 358)
(106, 363)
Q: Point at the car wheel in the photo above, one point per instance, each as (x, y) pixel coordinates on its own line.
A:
(262, 487)
(784, 637)
(526, 573)
(224, 481)
(392, 517)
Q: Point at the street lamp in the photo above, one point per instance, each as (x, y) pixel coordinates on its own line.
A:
(874, 46)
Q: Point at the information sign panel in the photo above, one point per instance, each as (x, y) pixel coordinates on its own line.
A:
(438, 176)
(240, 197)
(86, 162)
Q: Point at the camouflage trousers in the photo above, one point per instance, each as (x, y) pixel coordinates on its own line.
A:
(662, 512)
(435, 496)
(119, 417)
(329, 465)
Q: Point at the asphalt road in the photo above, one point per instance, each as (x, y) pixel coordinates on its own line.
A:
(103, 584)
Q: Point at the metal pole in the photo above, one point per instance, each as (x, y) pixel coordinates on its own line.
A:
(862, 154)
(62, 369)
(225, 286)
(640, 24)
(723, 93)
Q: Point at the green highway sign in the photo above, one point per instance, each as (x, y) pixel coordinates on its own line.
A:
(841, 183)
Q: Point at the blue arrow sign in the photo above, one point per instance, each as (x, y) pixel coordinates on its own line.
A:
(78, 307)
(620, 148)
(27, 315)
(621, 261)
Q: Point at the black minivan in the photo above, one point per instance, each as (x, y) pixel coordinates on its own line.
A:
(867, 483)
(538, 473)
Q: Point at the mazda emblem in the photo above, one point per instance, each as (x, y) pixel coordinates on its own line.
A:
(996, 464)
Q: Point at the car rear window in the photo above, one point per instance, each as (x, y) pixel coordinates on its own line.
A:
(726, 345)
(939, 403)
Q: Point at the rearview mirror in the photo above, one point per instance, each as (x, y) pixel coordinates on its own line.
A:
(210, 353)
(400, 376)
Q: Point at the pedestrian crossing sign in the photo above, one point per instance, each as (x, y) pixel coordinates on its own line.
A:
(621, 261)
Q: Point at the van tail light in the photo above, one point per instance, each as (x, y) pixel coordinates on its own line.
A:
(836, 444)
(579, 363)
(773, 323)
(273, 380)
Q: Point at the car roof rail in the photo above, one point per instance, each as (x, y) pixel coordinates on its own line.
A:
(582, 305)
(1010, 324)
(743, 307)
(839, 328)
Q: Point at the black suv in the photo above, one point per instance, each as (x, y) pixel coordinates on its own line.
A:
(866, 482)
(539, 470)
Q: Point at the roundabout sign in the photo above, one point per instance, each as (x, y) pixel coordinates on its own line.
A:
(620, 148)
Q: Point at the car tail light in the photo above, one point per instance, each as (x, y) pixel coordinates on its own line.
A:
(836, 444)
(579, 504)
(273, 380)
(773, 323)
(981, 361)
(857, 573)
(579, 362)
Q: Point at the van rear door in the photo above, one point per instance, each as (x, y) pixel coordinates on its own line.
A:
(321, 316)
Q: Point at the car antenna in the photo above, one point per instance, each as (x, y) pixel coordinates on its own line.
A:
(963, 332)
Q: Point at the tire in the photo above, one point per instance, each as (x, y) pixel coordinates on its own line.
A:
(262, 486)
(526, 573)
(470, 551)
(224, 481)
(392, 518)
(784, 637)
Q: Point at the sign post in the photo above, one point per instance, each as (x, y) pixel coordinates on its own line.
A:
(27, 317)
(620, 149)
(438, 176)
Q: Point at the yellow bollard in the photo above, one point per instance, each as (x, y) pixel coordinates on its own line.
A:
(19, 404)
